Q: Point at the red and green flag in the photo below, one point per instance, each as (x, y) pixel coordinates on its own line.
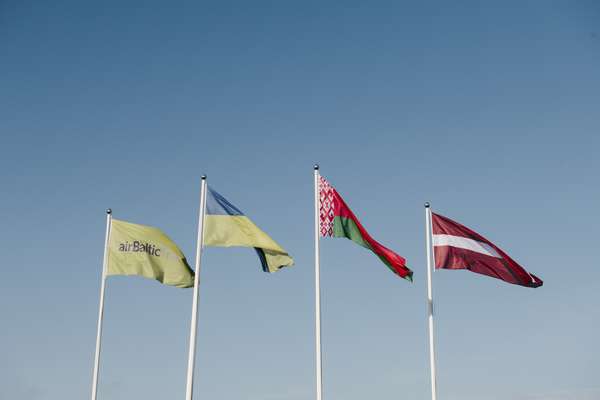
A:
(337, 220)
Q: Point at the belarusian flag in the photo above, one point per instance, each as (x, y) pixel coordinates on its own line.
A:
(337, 220)
(458, 247)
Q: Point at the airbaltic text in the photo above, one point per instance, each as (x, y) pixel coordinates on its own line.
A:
(139, 247)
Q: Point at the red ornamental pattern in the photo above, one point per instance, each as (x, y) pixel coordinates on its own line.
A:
(326, 207)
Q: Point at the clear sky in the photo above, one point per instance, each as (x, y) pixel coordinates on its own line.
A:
(489, 111)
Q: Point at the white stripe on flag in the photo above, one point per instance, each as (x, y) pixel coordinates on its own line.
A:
(465, 243)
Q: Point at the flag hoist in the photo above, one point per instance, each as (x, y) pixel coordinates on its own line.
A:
(318, 288)
(451, 245)
(430, 301)
(189, 388)
(132, 249)
(333, 218)
(101, 310)
(221, 224)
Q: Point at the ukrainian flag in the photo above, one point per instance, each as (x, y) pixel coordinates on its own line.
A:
(226, 226)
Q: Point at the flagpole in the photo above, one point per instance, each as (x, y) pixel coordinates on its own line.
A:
(193, 328)
(430, 301)
(317, 290)
(101, 308)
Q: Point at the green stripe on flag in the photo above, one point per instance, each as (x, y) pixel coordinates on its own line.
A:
(346, 227)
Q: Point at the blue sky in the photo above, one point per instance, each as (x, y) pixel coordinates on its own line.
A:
(488, 111)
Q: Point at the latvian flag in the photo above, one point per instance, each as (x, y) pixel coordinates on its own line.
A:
(458, 247)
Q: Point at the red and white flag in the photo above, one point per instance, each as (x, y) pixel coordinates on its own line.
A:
(458, 247)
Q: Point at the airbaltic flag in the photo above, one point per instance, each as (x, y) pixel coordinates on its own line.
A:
(226, 226)
(337, 220)
(458, 247)
(146, 251)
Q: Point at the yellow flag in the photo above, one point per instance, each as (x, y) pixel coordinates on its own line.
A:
(226, 226)
(146, 251)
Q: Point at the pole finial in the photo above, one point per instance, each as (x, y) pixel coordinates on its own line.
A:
(316, 167)
(203, 177)
(108, 211)
(427, 204)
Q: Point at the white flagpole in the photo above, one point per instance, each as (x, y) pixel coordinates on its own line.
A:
(317, 290)
(193, 328)
(101, 310)
(430, 301)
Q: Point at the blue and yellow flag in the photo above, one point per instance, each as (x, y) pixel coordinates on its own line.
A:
(226, 226)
